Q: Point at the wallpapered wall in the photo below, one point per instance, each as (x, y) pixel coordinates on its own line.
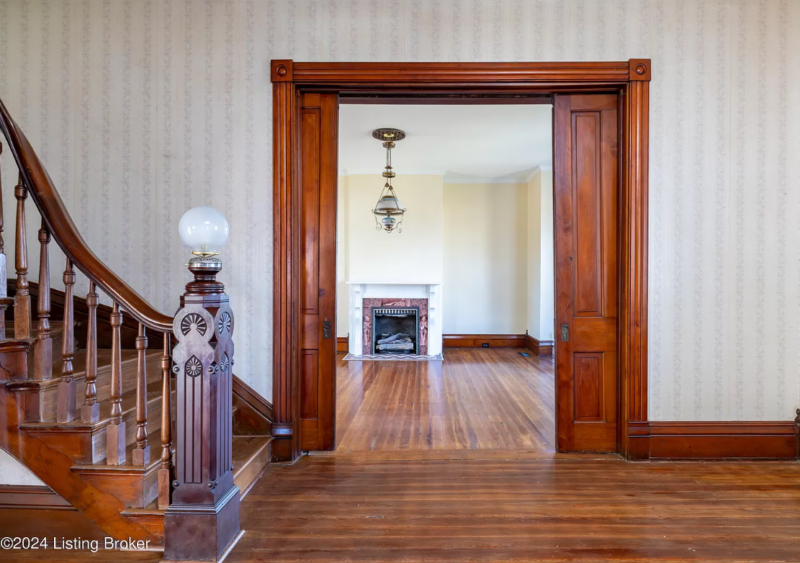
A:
(141, 109)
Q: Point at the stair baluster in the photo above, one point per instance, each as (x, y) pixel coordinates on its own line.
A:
(22, 299)
(43, 347)
(165, 471)
(115, 432)
(91, 408)
(67, 387)
(141, 453)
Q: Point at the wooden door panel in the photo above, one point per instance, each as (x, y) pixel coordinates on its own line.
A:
(317, 179)
(309, 135)
(309, 372)
(588, 386)
(585, 202)
(587, 214)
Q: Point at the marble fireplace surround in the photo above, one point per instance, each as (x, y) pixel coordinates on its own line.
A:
(371, 303)
(364, 296)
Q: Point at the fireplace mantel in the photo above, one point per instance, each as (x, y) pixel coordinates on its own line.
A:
(360, 290)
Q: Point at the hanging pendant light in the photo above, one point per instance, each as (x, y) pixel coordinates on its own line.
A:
(388, 209)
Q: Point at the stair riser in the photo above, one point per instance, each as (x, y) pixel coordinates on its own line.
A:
(248, 474)
(88, 446)
(42, 406)
(132, 489)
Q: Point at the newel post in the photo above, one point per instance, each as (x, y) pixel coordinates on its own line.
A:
(203, 518)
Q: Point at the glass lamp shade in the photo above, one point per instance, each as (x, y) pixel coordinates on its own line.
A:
(203, 229)
(388, 205)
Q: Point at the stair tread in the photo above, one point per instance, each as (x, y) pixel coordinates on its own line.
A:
(56, 327)
(128, 405)
(245, 448)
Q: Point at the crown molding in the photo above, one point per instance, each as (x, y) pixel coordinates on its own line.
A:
(372, 172)
(467, 179)
(538, 170)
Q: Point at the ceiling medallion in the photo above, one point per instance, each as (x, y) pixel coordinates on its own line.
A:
(388, 207)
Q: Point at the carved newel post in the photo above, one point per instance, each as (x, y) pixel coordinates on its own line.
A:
(203, 517)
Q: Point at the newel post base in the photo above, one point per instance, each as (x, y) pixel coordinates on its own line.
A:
(202, 520)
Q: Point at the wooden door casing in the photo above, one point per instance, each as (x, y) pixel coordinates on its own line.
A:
(454, 83)
(317, 174)
(586, 188)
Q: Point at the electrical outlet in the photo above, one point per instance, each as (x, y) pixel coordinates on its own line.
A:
(485, 345)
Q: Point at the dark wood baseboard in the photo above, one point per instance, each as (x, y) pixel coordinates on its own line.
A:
(37, 497)
(341, 343)
(713, 440)
(539, 347)
(478, 340)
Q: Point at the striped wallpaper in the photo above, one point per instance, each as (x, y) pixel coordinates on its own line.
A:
(143, 108)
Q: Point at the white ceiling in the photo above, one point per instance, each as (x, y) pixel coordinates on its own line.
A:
(466, 143)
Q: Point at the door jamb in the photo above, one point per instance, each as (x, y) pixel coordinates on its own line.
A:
(630, 78)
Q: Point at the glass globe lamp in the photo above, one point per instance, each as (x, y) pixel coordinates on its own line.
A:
(205, 230)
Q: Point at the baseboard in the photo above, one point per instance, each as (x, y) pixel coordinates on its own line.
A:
(37, 497)
(342, 343)
(539, 347)
(713, 440)
(478, 340)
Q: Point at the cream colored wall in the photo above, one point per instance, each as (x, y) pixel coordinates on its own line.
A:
(415, 255)
(534, 255)
(485, 278)
(143, 108)
(342, 270)
(540, 265)
(547, 290)
(365, 254)
(471, 236)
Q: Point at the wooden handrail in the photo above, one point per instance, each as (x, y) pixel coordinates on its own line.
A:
(65, 233)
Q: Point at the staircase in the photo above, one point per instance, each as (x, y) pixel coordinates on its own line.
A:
(88, 390)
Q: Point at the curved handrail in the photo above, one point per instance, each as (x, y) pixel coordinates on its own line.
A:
(66, 234)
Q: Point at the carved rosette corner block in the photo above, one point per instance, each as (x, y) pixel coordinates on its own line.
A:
(639, 70)
(203, 517)
(282, 70)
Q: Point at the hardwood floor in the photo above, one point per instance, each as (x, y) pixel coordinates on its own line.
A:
(359, 509)
(477, 399)
(329, 509)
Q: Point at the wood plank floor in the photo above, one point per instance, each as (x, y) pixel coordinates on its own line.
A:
(359, 509)
(329, 509)
(476, 399)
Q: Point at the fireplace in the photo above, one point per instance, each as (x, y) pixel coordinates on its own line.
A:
(395, 330)
(424, 299)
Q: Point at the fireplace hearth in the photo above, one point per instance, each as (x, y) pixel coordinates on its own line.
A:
(395, 330)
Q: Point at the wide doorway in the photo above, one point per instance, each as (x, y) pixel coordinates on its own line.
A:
(599, 140)
(445, 277)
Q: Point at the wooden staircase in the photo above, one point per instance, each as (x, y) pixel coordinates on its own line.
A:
(77, 403)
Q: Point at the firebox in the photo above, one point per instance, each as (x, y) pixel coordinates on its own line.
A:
(395, 330)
